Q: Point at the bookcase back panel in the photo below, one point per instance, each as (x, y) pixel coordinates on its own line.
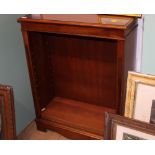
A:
(79, 68)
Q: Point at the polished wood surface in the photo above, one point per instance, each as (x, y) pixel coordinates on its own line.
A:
(75, 65)
(112, 30)
(87, 19)
(79, 115)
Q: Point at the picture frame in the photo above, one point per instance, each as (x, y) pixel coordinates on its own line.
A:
(123, 128)
(140, 95)
(7, 113)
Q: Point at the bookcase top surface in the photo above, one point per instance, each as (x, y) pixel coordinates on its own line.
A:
(96, 20)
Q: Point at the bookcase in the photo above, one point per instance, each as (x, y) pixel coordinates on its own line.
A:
(78, 68)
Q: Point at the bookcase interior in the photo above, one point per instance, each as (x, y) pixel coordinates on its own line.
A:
(75, 78)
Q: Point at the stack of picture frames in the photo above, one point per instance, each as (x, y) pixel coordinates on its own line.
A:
(7, 113)
(138, 122)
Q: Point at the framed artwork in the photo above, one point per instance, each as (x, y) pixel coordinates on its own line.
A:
(7, 114)
(123, 128)
(140, 97)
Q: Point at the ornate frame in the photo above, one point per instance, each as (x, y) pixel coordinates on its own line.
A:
(133, 80)
(8, 129)
(112, 121)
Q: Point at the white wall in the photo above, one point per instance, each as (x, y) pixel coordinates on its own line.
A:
(148, 55)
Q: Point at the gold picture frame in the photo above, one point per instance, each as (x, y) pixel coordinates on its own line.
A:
(140, 95)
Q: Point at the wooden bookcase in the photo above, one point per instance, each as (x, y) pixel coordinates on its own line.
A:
(78, 67)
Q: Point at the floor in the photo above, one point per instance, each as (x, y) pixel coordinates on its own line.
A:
(31, 133)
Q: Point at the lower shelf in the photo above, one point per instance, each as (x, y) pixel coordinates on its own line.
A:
(77, 115)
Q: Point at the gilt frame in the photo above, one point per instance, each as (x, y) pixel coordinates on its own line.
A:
(134, 79)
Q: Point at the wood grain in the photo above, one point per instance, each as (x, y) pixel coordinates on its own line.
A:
(78, 67)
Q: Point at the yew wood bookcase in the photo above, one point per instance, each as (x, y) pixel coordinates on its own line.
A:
(78, 67)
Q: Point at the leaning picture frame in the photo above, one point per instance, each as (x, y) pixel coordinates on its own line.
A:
(7, 113)
(140, 97)
(123, 128)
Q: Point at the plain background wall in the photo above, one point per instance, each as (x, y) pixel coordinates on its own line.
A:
(13, 69)
(148, 54)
